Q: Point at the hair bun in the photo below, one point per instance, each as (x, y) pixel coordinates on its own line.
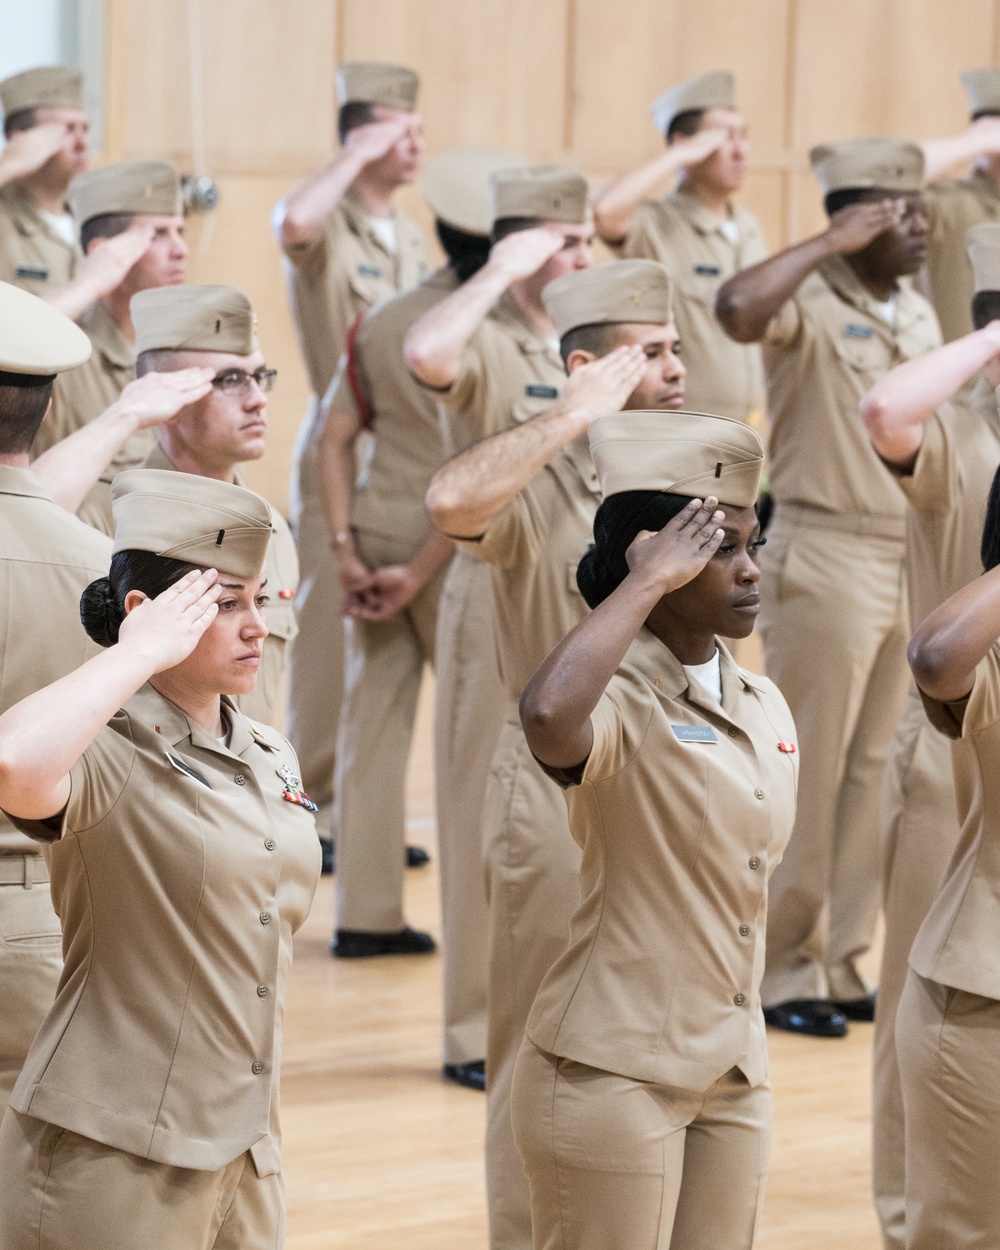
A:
(99, 613)
(594, 578)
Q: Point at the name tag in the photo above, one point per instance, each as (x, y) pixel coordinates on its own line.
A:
(541, 392)
(187, 770)
(694, 733)
(35, 272)
(858, 332)
(369, 271)
(707, 271)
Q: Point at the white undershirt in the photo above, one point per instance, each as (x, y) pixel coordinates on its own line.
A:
(887, 311)
(385, 228)
(708, 675)
(731, 230)
(62, 224)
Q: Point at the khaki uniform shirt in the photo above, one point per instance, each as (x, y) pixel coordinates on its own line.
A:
(823, 350)
(723, 376)
(281, 568)
(47, 559)
(32, 255)
(344, 271)
(407, 444)
(81, 394)
(683, 812)
(534, 546)
(955, 204)
(180, 876)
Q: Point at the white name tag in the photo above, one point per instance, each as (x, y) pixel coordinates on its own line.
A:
(694, 733)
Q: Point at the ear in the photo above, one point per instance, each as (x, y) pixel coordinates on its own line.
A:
(578, 357)
(133, 599)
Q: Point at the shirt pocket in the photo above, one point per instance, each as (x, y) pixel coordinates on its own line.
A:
(864, 358)
(527, 406)
(369, 282)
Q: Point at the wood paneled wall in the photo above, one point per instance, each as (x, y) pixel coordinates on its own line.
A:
(564, 80)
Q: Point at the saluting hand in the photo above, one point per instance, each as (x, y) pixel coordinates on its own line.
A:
(156, 397)
(677, 553)
(109, 260)
(855, 226)
(165, 630)
(523, 253)
(371, 142)
(28, 150)
(603, 386)
(700, 146)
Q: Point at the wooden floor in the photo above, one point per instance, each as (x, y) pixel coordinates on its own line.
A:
(380, 1153)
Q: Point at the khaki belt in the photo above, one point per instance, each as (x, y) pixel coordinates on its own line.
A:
(893, 527)
(27, 870)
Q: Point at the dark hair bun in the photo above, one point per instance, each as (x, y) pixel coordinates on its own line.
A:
(595, 578)
(99, 613)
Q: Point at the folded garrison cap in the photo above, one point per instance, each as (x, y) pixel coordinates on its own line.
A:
(377, 82)
(152, 187)
(680, 453)
(547, 192)
(456, 186)
(983, 244)
(982, 86)
(35, 338)
(187, 517)
(623, 291)
(859, 164)
(50, 86)
(194, 319)
(716, 90)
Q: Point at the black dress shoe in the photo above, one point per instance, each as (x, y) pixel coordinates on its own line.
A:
(813, 1016)
(860, 1009)
(417, 857)
(360, 944)
(329, 863)
(471, 1075)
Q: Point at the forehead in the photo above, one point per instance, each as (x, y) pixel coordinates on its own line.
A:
(219, 361)
(643, 334)
(574, 229)
(159, 221)
(383, 113)
(68, 117)
(724, 119)
(742, 520)
(911, 199)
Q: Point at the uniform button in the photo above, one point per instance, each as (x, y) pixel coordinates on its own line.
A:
(739, 999)
(266, 919)
(257, 1067)
(269, 844)
(733, 731)
(262, 991)
(744, 930)
(240, 779)
(758, 794)
(753, 861)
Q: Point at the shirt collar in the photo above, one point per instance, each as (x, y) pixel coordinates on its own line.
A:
(846, 283)
(665, 673)
(360, 221)
(702, 218)
(15, 481)
(508, 312)
(175, 726)
(27, 218)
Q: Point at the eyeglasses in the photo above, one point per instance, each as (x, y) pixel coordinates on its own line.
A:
(237, 381)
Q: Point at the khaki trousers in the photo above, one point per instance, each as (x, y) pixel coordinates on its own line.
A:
(948, 1044)
(383, 666)
(30, 960)
(62, 1191)
(919, 831)
(316, 664)
(469, 708)
(835, 632)
(533, 888)
(618, 1164)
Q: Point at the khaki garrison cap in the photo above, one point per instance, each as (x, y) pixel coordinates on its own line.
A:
(193, 319)
(716, 90)
(860, 164)
(546, 192)
(35, 338)
(187, 517)
(681, 453)
(982, 86)
(376, 82)
(132, 187)
(621, 292)
(456, 186)
(983, 244)
(51, 86)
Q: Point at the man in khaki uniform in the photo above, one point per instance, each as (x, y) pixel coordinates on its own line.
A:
(697, 231)
(834, 316)
(944, 455)
(345, 247)
(139, 196)
(392, 565)
(47, 557)
(524, 503)
(215, 327)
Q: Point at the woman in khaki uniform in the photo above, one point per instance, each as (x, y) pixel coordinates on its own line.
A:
(183, 857)
(643, 1077)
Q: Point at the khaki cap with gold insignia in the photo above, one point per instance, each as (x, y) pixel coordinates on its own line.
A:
(35, 338)
(215, 525)
(546, 192)
(377, 82)
(982, 86)
(860, 164)
(983, 244)
(623, 291)
(49, 86)
(152, 187)
(716, 90)
(193, 319)
(456, 186)
(680, 453)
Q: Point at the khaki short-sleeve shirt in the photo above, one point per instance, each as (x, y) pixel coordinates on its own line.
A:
(823, 350)
(47, 559)
(723, 376)
(32, 255)
(408, 448)
(180, 875)
(683, 812)
(534, 546)
(955, 204)
(345, 270)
